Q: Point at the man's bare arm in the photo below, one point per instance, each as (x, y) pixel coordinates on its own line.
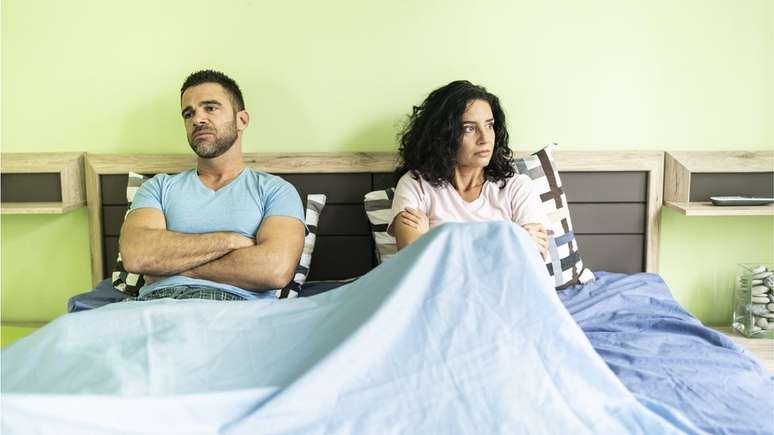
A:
(148, 247)
(270, 264)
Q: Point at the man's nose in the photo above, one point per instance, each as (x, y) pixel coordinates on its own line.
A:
(199, 119)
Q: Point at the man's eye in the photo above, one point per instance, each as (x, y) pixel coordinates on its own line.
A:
(209, 108)
(186, 115)
(467, 129)
(490, 126)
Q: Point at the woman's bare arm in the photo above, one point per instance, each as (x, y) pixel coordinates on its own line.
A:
(408, 226)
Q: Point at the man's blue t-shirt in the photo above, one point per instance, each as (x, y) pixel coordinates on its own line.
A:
(191, 207)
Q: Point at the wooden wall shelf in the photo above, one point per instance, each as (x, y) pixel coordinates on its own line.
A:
(707, 209)
(690, 177)
(42, 183)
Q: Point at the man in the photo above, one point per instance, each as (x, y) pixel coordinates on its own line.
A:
(220, 231)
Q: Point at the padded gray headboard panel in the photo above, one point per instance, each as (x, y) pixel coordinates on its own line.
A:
(609, 212)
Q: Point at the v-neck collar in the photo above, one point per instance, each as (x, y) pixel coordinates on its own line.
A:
(475, 201)
(222, 188)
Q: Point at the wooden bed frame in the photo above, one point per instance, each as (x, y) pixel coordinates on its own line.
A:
(615, 200)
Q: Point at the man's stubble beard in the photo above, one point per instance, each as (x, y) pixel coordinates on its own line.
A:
(222, 143)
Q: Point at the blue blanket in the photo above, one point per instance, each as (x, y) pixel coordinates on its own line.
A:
(662, 353)
(461, 333)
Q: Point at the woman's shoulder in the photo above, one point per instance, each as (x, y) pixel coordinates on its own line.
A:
(413, 182)
(518, 187)
(410, 178)
(519, 182)
(417, 187)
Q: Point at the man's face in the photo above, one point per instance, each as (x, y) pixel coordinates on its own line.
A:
(211, 121)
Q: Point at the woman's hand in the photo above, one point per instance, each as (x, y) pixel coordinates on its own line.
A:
(415, 219)
(540, 235)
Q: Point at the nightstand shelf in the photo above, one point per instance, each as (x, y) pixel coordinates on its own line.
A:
(41, 183)
(691, 177)
(707, 209)
(39, 207)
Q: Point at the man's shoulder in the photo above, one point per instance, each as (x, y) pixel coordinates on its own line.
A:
(154, 188)
(265, 180)
(167, 182)
(166, 179)
(275, 192)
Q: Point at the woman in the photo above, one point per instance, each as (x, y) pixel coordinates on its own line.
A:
(456, 167)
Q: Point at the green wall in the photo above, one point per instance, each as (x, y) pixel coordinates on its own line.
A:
(96, 76)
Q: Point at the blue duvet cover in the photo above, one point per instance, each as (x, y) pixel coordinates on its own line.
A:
(461, 333)
(664, 354)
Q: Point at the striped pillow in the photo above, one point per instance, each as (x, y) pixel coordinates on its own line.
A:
(315, 202)
(566, 266)
(378, 207)
(123, 281)
(131, 283)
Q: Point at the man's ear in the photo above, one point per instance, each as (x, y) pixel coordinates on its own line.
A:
(243, 120)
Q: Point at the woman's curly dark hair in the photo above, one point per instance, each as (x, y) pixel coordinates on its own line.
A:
(430, 139)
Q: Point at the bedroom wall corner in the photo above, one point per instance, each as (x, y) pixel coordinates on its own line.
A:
(44, 261)
(699, 258)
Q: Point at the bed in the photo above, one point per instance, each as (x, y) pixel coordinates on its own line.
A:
(630, 359)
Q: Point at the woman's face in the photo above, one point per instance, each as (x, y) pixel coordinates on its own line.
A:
(478, 136)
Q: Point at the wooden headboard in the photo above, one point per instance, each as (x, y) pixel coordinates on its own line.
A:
(615, 199)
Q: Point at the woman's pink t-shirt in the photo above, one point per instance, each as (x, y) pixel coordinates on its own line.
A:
(517, 202)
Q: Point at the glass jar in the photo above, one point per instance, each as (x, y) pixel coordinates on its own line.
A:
(754, 300)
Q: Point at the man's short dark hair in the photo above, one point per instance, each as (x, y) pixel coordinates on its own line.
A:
(211, 76)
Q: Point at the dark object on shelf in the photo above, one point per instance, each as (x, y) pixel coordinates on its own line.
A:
(740, 200)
